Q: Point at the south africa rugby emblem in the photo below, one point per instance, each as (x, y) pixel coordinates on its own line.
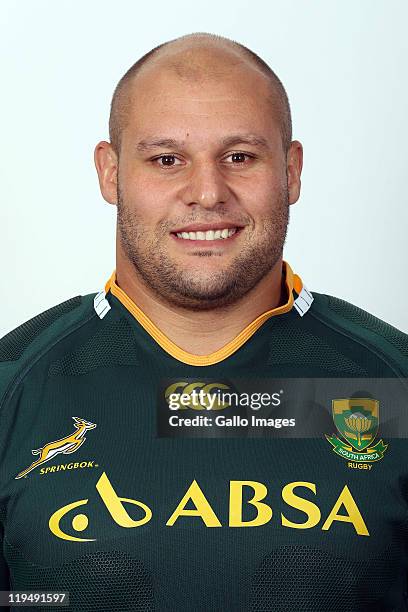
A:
(357, 421)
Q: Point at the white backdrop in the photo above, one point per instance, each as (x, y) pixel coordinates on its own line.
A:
(344, 65)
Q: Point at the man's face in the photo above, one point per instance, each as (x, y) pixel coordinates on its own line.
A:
(202, 220)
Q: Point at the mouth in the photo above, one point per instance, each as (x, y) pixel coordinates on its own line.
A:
(204, 234)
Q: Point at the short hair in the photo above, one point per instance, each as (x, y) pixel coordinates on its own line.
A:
(119, 109)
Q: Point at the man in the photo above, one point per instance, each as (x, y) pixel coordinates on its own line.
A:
(205, 473)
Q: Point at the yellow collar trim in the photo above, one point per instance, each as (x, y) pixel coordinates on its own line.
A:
(292, 281)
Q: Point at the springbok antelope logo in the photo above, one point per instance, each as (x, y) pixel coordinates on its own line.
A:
(66, 445)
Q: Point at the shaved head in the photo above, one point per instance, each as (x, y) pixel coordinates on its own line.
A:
(197, 57)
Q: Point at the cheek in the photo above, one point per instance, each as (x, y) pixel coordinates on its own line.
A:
(143, 199)
(264, 198)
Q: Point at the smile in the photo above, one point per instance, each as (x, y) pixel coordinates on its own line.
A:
(219, 234)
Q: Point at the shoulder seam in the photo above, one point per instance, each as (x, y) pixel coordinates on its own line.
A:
(389, 361)
(26, 367)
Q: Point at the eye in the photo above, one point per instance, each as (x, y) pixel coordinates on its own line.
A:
(167, 160)
(239, 154)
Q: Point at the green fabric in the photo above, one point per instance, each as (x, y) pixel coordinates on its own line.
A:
(108, 372)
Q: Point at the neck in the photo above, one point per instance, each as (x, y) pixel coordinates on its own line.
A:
(202, 332)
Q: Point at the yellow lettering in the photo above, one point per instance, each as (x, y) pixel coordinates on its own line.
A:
(235, 515)
(203, 508)
(306, 506)
(353, 513)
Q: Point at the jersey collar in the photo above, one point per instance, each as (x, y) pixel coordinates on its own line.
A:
(294, 285)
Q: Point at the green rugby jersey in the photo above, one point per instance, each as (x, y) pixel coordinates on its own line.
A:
(112, 494)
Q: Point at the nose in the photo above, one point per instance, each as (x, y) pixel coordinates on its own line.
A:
(206, 186)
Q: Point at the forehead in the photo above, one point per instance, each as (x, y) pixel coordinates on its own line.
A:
(234, 98)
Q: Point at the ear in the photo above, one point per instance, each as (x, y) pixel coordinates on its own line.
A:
(106, 163)
(294, 164)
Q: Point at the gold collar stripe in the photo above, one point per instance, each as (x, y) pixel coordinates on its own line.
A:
(292, 281)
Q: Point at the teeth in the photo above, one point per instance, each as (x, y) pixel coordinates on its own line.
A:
(208, 235)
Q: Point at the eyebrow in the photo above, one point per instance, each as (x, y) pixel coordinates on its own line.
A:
(228, 141)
